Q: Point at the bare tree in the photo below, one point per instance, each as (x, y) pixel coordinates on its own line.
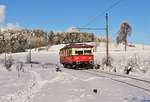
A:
(124, 32)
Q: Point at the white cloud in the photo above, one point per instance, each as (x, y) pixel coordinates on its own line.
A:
(2, 13)
(11, 26)
(2, 28)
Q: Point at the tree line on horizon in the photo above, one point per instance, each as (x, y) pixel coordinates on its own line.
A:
(20, 40)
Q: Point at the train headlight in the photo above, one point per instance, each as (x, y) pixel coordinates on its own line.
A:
(90, 58)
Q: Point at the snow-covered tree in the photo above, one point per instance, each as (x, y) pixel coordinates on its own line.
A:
(125, 30)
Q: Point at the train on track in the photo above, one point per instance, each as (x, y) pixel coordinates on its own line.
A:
(77, 56)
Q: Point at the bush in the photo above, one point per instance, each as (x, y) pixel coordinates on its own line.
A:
(28, 58)
(9, 62)
(19, 66)
(132, 64)
(107, 63)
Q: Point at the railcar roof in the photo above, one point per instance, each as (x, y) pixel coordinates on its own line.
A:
(77, 46)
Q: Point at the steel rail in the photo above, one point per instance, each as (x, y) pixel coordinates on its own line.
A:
(130, 84)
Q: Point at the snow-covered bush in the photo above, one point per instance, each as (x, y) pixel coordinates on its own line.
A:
(19, 67)
(106, 65)
(136, 64)
(28, 58)
(105, 62)
(133, 61)
(8, 63)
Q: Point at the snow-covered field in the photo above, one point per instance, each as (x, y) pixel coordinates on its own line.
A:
(138, 57)
(41, 83)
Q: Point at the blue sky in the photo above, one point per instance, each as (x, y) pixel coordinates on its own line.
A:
(59, 15)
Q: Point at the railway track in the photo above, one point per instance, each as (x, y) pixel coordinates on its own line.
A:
(132, 81)
(125, 76)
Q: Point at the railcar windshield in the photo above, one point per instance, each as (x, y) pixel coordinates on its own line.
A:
(79, 52)
(83, 52)
(87, 52)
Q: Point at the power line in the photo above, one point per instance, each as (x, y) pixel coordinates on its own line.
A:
(90, 28)
(106, 10)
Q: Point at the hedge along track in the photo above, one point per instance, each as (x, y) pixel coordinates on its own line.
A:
(105, 75)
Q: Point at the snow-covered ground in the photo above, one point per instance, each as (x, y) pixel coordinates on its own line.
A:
(138, 57)
(41, 83)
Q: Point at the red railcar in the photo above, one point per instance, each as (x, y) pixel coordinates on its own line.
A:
(77, 56)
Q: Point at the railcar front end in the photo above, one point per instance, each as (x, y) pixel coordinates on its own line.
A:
(77, 56)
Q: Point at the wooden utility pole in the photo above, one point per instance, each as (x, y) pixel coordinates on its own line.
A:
(30, 50)
(107, 41)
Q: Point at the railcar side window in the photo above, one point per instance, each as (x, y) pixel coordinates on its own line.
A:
(65, 52)
(87, 52)
(79, 52)
(70, 52)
